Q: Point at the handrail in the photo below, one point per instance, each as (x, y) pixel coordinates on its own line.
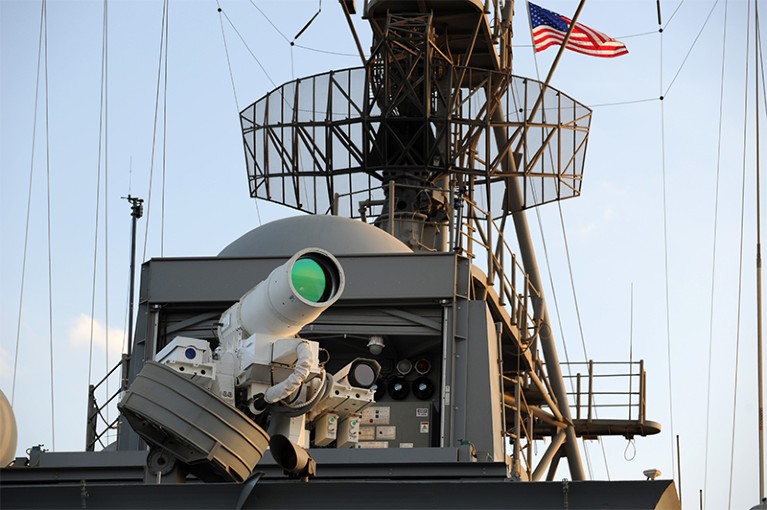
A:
(525, 429)
(613, 396)
(475, 236)
(93, 435)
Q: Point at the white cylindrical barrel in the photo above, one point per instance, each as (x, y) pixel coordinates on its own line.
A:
(293, 295)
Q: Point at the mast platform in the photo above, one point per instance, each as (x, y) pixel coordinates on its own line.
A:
(469, 38)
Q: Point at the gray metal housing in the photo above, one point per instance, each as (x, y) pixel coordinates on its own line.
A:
(435, 306)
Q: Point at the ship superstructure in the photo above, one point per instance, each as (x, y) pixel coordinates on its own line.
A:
(431, 370)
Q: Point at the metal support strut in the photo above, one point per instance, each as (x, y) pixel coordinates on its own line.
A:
(527, 251)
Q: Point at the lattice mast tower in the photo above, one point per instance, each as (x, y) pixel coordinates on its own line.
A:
(436, 142)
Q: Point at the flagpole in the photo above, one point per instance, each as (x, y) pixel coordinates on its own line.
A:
(760, 377)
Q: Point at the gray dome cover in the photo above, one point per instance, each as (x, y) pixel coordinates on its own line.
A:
(339, 236)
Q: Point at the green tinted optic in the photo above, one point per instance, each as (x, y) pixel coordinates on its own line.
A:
(308, 279)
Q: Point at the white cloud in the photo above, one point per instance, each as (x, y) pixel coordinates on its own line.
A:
(601, 221)
(80, 334)
(588, 229)
(612, 188)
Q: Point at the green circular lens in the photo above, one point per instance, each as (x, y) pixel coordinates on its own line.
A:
(308, 279)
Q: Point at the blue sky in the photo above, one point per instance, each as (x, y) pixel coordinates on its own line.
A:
(615, 230)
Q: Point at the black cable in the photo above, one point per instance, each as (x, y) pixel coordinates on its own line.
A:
(249, 50)
(267, 19)
(684, 61)
(29, 207)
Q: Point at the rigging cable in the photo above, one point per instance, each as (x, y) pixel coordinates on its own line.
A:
(630, 36)
(577, 307)
(578, 316)
(270, 21)
(164, 134)
(548, 266)
(684, 61)
(681, 66)
(665, 254)
(228, 60)
(559, 317)
(98, 197)
(740, 268)
(50, 258)
(106, 206)
(761, 66)
(631, 443)
(293, 78)
(292, 61)
(29, 206)
(551, 280)
(631, 345)
(292, 65)
(266, 73)
(760, 387)
(154, 129)
(559, 322)
(572, 280)
(234, 89)
(713, 254)
(327, 52)
(672, 15)
(293, 42)
(621, 103)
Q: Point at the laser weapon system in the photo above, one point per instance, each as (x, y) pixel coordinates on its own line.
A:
(434, 378)
(261, 380)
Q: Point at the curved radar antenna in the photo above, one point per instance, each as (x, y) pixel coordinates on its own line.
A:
(413, 122)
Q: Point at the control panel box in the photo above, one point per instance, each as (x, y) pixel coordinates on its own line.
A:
(397, 425)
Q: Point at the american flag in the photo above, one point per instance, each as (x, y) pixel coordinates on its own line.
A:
(550, 28)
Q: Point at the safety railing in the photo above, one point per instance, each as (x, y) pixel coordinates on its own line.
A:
(470, 230)
(482, 239)
(99, 424)
(611, 390)
(517, 429)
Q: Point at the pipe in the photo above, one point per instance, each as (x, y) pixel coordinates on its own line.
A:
(527, 251)
(556, 442)
(531, 266)
(296, 379)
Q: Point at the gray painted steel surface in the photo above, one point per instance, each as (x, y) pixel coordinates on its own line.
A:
(175, 414)
(340, 236)
(372, 494)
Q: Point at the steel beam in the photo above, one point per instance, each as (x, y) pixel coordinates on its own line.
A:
(548, 456)
(527, 251)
